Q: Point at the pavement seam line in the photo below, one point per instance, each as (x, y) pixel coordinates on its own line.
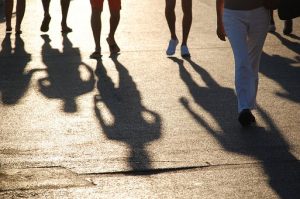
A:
(177, 169)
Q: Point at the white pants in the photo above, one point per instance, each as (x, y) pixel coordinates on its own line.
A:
(246, 31)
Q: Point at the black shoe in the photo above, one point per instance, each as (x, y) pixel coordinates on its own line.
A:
(288, 27)
(246, 118)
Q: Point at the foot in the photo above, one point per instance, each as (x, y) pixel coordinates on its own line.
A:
(45, 23)
(246, 118)
(113, 46)
(172, 47)
(185, 51)
(96, 55)
(18, 32)
(288, 27)
(66, 29)
(8, 29)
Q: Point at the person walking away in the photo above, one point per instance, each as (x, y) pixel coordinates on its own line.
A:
(47, 18)
(245, 24)
(21, 5)
(186, 26)
(97, 7)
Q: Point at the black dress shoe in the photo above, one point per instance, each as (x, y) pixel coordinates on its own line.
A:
(246, 118)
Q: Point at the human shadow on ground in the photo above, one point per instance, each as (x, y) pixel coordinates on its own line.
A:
(124, 118)
(281, 70)
(14, 79)
(265, 144)
(294, 36)
(292, 45)
(64, 80)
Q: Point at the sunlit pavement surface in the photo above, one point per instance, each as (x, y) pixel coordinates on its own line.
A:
(142, 125)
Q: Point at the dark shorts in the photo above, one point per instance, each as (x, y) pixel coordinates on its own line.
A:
(114, 5)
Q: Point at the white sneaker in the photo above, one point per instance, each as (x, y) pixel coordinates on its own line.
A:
(172, 47)
(185, 51)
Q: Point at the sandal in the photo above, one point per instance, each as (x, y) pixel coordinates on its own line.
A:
(18, 32)
(96, 55)
(66, 29)
(113, 48)
(8, 29)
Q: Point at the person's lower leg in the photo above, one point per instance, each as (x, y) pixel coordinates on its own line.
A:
(8, 13)
(21, 5)
(46, 5)
(171, 17)
(114, 22)
(96, 28)
(64, 11)
(187, 20)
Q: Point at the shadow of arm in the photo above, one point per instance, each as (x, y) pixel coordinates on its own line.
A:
(198, 118)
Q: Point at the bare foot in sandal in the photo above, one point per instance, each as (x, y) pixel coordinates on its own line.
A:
(65, 28)
(96, 55)
(113, 46)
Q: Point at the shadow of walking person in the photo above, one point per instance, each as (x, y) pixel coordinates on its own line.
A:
(266, 145)
(219, 101)
(129, 121)
(294, 46)
(281, 70)
(14, 79)
(64, 80)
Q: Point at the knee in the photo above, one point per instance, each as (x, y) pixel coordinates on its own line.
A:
(96, 13)
(187, 12)
(115, 14)
(170, 6)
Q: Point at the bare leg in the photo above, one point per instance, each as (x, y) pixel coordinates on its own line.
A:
(46, 4)
(114, 22)
(96, 28)
(64, 11)
(21, 5)
(8, 13)
(171, 17)
(47, 18)
(187, 20)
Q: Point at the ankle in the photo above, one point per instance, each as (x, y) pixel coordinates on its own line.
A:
(64, 24)
(111, 37)
(18, 27)
(174, 38)
(98, 49)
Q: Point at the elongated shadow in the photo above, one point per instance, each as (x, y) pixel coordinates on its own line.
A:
(130, 122)
(283, 70)
(64, 79)
(292, 45)
(267, 145)
(14, 79)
